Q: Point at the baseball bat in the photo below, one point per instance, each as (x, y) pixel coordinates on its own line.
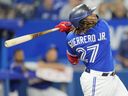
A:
(25, 38)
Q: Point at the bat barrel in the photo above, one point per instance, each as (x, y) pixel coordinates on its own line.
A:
(16, 41)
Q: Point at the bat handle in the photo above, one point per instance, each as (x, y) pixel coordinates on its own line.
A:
(55, 29)
(44, 32)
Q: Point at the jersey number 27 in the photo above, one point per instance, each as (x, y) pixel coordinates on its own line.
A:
(93, 48)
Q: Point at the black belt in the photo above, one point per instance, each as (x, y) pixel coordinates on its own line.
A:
(103, 74)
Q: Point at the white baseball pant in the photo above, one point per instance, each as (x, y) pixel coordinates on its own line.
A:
(95, 85)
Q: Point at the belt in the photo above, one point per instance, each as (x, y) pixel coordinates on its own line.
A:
(100, 73)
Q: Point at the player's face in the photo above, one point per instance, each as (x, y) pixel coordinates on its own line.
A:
(89, 21)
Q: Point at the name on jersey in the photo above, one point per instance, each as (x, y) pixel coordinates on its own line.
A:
(87, 39)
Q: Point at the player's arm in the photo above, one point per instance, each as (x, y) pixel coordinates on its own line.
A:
(71, 54)
(73, 59)
(66, 26)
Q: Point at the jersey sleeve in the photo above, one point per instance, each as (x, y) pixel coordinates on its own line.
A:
(103, 24)
(69, 49)
(72, 57)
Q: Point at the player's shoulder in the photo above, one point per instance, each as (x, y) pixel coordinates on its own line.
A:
(102, 23)
(70, 35)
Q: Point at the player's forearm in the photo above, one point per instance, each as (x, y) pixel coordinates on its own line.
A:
(73, 59)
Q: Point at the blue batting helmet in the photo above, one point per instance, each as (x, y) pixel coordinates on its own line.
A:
(78, 13)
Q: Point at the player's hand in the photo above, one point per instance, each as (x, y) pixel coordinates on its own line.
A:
(64, 26)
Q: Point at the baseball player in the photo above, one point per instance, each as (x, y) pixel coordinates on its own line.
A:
(89, 42)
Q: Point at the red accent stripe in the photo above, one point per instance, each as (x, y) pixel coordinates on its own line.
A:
(72, 59)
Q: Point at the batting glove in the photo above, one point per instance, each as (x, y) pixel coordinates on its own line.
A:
(64, 26)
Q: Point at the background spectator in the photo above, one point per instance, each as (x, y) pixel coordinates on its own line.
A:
(126, 4)
(65, 11)
(123, 52)
(104, 11)
(7, 10)
(47, 10)
(42, 87)
(93, 3)
(19, 61)
(18, 67)
(2, 13)
(11, 13)
(6, 2)
(24, 10)
(119, 11)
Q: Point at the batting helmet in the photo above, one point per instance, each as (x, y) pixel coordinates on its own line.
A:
(78, 13)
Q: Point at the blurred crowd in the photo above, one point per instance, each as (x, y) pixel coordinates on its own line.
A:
(59, 9)
(36, 85)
